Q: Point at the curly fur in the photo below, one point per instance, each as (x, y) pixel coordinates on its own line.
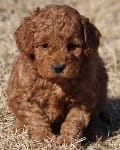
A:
(57, 105)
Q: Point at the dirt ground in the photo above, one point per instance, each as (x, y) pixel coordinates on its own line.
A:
(106, 16)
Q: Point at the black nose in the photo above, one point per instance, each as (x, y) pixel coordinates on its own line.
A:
(58, 68)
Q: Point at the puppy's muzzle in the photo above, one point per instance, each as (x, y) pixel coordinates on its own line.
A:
(58, 68)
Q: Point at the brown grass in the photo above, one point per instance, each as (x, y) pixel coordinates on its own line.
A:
(105, 14)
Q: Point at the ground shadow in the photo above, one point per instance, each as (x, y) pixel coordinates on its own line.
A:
(107, 125)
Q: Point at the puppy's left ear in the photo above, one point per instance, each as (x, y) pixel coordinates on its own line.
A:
(91, 37)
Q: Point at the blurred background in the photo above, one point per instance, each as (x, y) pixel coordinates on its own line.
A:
(105, 14)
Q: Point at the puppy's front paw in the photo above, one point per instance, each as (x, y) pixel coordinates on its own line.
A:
(41, 136)
(17, 127)
(67, 140)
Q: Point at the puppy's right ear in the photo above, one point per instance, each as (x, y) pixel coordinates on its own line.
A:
(24, 34)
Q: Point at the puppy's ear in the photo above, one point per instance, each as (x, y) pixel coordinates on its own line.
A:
(91, 37)
(24, 37)
(24, 34)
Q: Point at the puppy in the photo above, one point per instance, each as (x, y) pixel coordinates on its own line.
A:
(59, 82)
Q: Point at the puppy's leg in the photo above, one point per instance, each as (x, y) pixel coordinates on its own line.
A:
(31, 115)
(38, 126)
(76, 120)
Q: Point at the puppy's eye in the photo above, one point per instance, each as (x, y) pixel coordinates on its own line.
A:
(71, 47)
(45, 45)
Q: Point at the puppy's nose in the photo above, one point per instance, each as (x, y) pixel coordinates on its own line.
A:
(58, 68)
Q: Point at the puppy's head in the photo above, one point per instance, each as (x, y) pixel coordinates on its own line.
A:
(57, 38)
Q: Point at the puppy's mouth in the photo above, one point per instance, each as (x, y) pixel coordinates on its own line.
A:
(60, 80)
(62, 75)
(64, 82)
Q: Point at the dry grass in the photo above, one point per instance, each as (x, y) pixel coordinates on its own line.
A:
(105, 14)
